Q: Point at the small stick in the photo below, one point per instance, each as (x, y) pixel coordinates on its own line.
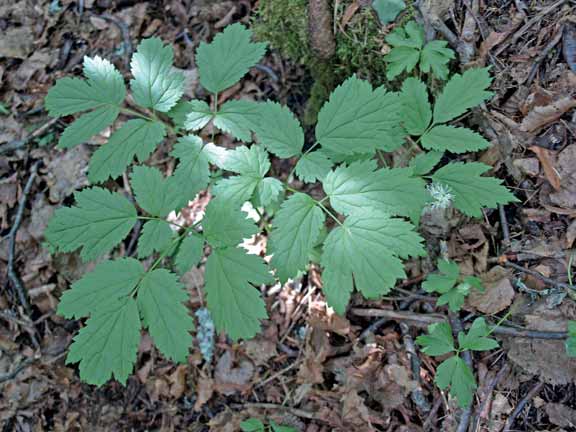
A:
(531, 394)
(547, 280)
(505, 227)
(23, 365)
(17, 144)
(433, 411)
(416, 394)
(297, 412)
(489, 389)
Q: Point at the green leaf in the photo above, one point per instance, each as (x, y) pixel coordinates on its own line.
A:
(359, 186)
(472, 192)
(401, 59)
(156, 83)
(357, 119)
(156, 236)
(277, 428)
(235, 190)
(268, 191)
(571, 339)
(101, 289)
(416, 109)
(439, 340)
(461, 93)
(235, 305)
(477, 337)
(454, 372)
(295, 230)
(104, 87)
(252, 162)
(88, 125)
(189, 253)
(108, 344)
(252, 425)
(193, 172)
(161, 303)
(153, 192)
(411, 36)
(226, 225)
(444, 283)
(388, 10)
(453, 139)
(197, 116)
(279, 131)
(98, 222)
(425, 162)
(135, 138)
(435, 57)
(238, 118)
(313, 166)
(224, 61)
(455, 297)
(367, 247)
(179, 112)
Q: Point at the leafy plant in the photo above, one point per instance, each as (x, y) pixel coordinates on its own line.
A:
(453, 372)
(571, 340)
(452, 286)
(255, 425)
(364, 226)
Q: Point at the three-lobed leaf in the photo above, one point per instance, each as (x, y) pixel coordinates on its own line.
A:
(456, 374)
(438, 341)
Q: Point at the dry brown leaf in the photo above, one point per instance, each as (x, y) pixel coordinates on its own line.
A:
(349, 13)
(315, 352)
(178, 381)
(566, 166)
(561, 415)
(260, 350)
(545, 157)
(544, 115)
(204, 391)
(233, 374)
(498, 294)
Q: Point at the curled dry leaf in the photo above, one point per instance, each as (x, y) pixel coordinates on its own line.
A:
(233, 375)
(545, 158)
(565, 196)
(204, 391)
(543, 115)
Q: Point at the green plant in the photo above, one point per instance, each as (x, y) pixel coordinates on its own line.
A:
(452, 286)
(453, 372)
(255, 425)
(373, 210)
(571, 339)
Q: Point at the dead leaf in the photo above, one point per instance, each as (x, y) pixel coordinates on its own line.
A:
(544, 115)
(498, 294)
(260, 350)
(315, 352)
(178, 381)
(67, 173)
(566, 168)
(528, 166)
(204, 391)
(545, 157)
(355, 413)
(349, 13)
(561, 415)
(17, 42)
(233, 375)
(569, 44)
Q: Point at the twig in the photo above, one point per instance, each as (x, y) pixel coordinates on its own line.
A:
(505, 227)
(466, 414)
(543, 54)
(427, 319)
(297, 412)
(547, 280)
(124, 31)
(531, 394)
(12, 274)
(14, 373)
(488, 391)
(417, 395)
(432, 414)
(17, 144)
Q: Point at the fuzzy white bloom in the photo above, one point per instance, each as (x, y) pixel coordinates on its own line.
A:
(441, 194)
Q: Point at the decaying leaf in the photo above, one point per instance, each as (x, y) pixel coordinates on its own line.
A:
(543, 115)
(233, 374)
(561, 415)
(498, 294)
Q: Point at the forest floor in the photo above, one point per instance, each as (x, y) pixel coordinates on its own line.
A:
(309, 369)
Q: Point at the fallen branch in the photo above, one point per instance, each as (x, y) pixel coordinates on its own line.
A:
(531, 394)
(547, 280)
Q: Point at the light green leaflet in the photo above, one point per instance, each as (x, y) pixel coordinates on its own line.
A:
(155, 237)
(226, 225)
(97, 223)
(193, 171)
(571, 339)
(279, 131)
(453, 139)
(296, 228)
(88, 125)
(135, 138)
(239, 118)
(313, 166)
(189, 253)
(224, 61)
(235, 305)
(416, 109)
(156, 83)
(358, 119)
(193, 115)
(154, 193)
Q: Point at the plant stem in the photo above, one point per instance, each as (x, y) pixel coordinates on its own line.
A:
(328, 212)
(160, 219)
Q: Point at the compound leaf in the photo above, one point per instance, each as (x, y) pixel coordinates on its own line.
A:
(313, 166)
(156, 236)
(358, 119)
(438, 341)
(401, 59)
(101, 289)
(471, 191)
(235, 190)
(410, 36)
(97, 223)
(197, 115)
(161, 303)
(104, 79)
(571, 339)
(461, 93)
(224, 61)
(226, 225)
(425, 162)
(279, 131)
(477, 337)
(296, 228)
(435, 57)
(252, 162)
(135, 138)
(453, 139)
(156, 83)
(189, 253)
(388, 10)
(235, 305)
(416, 109)
(268, 191)
(454, 372)
(238, 118)
(193, 171)
(88, 125)
(153, 192)
(108, 344)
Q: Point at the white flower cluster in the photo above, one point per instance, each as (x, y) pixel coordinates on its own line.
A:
(441, 194)
(205, 334)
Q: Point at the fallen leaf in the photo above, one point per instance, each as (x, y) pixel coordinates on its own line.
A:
(541, 116)
(561, 415)
(178, 381)
(204, 391)
(565, 197)
(545, 158)
(233, 375)
(498, 294)
(569, 44)
(260, 350)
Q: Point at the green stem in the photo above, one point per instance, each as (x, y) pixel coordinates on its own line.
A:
(300, 157)
(328, 212)
(499, 323)
(160, 219)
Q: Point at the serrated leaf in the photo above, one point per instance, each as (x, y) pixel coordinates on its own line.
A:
(425, 162)
(313, 166)
(156, 236)
(97, 223)
(279, 131)
(388, 10)
(179, 112)
(239, 118)
(454, 372)
(156, 83)
(411, 36)
(224, 61)
(471, 191)
(295, 230)
(104, 87)
(108, 344)
(88, 125)
(101, 289)
(235, 190)
(401, 59)
(461, 93)
(226, 225)
(360, 186)
(277, 428)
(453, 139)
(153, 192)
(189, 253)
(268, 191)
(570, 342)
(161, 303)
(216, 155)
(445, 283)
(357, 119)
(135, 138)
(193, 172)
(435, 57)
(197, 116)
(235, 305)
(438, 341)
(477, 337)
(416, 108)
(366, 247)
(252, 162)
(252, 425)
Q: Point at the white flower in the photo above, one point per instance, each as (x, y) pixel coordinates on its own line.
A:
(441, 194)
